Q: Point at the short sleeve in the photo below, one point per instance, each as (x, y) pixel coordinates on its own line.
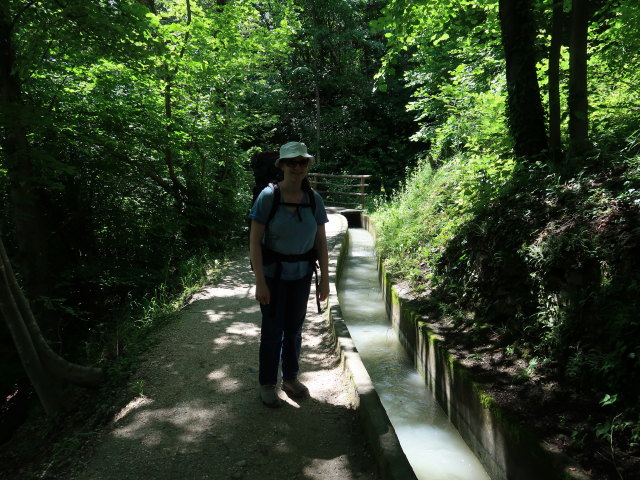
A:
(262, 206)
(321, 212)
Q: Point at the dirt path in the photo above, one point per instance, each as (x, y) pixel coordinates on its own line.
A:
(200, 417)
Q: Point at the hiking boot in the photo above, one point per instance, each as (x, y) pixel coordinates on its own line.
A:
(269, 396)
(294, 388)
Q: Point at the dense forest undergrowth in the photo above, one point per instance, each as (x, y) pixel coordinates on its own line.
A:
(508, 131)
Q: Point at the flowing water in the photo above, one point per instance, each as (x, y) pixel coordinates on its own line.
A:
(431, 443)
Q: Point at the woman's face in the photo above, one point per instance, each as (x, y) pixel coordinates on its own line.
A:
(296, 167)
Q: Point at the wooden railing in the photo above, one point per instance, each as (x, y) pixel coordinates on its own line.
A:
(341, 190)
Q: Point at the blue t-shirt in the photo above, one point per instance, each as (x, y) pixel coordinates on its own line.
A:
(289, 232)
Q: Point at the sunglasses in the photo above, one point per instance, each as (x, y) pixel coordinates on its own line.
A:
(290, 162)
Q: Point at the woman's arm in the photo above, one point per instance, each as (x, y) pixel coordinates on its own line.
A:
(255, 251)
(323, 259)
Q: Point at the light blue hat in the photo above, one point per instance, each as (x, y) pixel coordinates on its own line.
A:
(293, 150)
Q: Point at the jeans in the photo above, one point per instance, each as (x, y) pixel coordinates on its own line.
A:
(281, 331)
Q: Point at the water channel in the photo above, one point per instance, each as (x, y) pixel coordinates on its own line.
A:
(431, 443)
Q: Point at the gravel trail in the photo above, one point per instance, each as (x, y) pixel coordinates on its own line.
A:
(199, 415)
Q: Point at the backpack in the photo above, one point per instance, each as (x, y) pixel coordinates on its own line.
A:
(264, 172)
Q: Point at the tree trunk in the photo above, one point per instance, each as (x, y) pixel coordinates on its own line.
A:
(150, 4)
(557, 22)
(524, 104)
(53, 363)
(578, 100)
(27, 204)
(46, 388)
(318, 128)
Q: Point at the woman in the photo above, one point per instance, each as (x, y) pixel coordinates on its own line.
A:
(283, 251)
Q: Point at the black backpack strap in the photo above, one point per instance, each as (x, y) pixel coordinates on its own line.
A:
(274, 206)
(312, 204)
(306, 186)
(276, 201)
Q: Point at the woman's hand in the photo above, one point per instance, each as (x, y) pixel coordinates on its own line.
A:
(255, 250)
(323, 294)
(263, 295)
(323, 260)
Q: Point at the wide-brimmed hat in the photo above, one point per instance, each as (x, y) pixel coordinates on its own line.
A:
(294, 150)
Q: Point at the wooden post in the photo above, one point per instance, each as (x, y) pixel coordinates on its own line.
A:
(313, 181)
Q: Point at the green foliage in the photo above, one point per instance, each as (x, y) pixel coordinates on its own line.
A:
(473, 117)
(417, 224)
(455, 72)
(617, 426)
(545, 256)
(144, 314)
(540, 257)
(137, 387)
(136, 122)
(324, 95)
(137, 126)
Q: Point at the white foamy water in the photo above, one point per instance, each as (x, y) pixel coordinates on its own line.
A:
(431, 443)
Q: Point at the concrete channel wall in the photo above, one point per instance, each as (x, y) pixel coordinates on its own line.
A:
(507, 449)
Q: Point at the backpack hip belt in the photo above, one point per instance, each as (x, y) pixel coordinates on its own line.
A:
(270, 257)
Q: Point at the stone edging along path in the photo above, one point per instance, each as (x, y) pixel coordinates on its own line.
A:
(507, 449)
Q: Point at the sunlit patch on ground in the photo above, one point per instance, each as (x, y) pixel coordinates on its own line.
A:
(244, 328)
(319, 469)
(185, 423)
(236, 335)
(224, 383)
